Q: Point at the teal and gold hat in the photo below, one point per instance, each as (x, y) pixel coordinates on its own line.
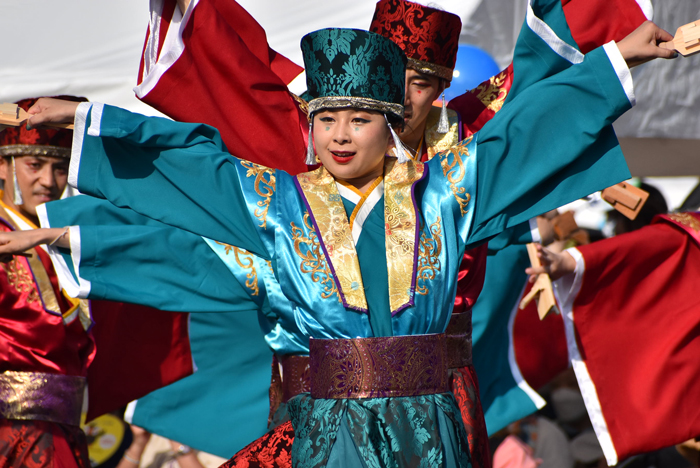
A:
(354, 68)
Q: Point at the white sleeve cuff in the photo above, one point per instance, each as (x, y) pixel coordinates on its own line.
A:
(535, 231)
(78, 135)
(622, 70)
(567, 287)
(81, 288)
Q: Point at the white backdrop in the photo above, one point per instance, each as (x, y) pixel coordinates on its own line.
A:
(92, 48)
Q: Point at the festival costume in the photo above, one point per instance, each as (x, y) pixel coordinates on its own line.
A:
(49, 342)
(643, 379)
(322, 273)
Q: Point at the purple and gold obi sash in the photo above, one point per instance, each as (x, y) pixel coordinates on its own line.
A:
(457, 353)
(45, 397)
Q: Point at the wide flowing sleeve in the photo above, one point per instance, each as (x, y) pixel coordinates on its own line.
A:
(552, 144)
(179, 174)
(213, 65)
(119, 255)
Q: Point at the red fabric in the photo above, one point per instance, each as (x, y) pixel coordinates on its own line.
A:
(423, 33)
(273, 450)
(470, 279)
(479, 105)
(41, 444)
(139, 350)
(466, 390)
(31, 338)
(226, 86)
(637, 317)
(594, 23)
(37, 136)
(540, 345)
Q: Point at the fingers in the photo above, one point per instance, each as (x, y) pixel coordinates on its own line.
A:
(49, 110)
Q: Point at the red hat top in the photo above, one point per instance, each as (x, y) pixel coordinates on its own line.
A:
(18, 141)
(429, 37)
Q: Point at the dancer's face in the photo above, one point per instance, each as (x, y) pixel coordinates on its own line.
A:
(352, 143)
(421, 91)
(41, 179)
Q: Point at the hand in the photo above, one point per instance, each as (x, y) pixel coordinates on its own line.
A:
(15, 242)
(49, 110)
(555, 265)
(642, 45)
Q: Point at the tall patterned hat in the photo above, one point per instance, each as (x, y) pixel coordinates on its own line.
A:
(353, 68)
(18, 141)
(429, 37)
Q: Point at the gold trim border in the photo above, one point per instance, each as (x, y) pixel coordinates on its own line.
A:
(343, 102)
(35, 150)
(430, 69)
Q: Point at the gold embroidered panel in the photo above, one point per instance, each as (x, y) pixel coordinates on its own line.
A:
(687, 220)
(454, 169)
(265, 181)
(20, 279)
(493, 93)
(245, 260)
(329, 214)
(313, 261)
(429, 251)
(401, 224)
(437, 141)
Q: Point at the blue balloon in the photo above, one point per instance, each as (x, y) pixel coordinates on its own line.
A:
(473, 66)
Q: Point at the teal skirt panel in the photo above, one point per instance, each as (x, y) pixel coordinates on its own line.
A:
(400, 432)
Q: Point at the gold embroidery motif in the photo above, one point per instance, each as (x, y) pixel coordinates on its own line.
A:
(428, 257)
(686, 220)
(493, 94)
(455, 172)
(19, 278)
(312, 261)
(328, 211)
(436, 141)
(303, 105)
(401, 221)
(245, 260)
(265, 187)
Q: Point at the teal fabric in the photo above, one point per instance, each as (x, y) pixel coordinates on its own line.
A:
(371, 251)
(207, 409)
(518, 235)
(379, 432)
(503, 401)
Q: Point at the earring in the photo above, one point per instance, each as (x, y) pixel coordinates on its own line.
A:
(17, 199)
(443, 124)
(401, 151)
(310, 155)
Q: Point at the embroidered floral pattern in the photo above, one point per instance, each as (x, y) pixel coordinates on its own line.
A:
(19, 278)
(455, 171)
(436, 141)
(428, 257)
(273, 450)
(353, 63)
(428, 36)
(687, 220)
(493, 93)
(322, 195)
(245, 260)
(401, 223)
(264, 186)
(401, 431)
(308, 248)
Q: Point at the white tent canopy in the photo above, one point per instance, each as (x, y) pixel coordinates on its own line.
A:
(92, 48)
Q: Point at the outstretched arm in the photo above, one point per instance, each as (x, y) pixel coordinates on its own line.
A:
(556, 265)
(17, 242)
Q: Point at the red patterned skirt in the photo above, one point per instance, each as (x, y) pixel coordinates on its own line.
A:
(42, 444)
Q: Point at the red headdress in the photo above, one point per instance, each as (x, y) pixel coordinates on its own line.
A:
(428, 37)
(18, 141)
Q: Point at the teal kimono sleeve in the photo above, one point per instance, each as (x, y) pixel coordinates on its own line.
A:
(177, 173)
(552, 144)
(521, 234)
(119, 255)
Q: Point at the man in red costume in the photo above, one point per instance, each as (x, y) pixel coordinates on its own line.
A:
(45, 347)
(632, 318)
(47, 339)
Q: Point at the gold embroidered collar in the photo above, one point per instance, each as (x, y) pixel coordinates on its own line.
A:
(401, 224)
